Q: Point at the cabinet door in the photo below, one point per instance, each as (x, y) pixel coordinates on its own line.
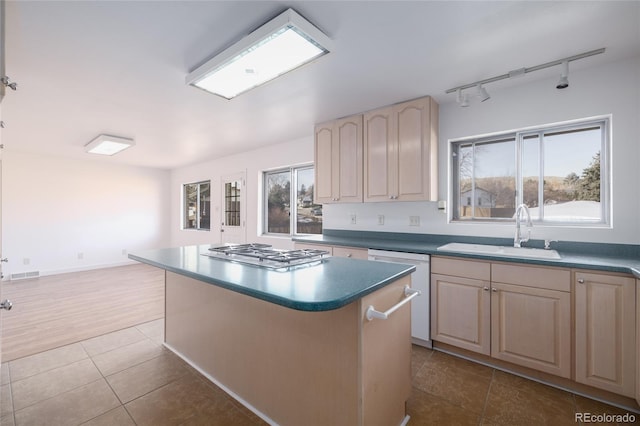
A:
(323, 191)
(380, 162)
(347, 160)
(531, 327)
(605, 332)
(460, 312)
(416, 150)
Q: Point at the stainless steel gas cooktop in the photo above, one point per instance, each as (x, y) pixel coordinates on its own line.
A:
(264, 255)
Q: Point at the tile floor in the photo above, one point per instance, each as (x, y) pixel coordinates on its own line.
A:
(128, 378)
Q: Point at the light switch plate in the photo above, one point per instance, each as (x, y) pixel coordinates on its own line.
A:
(380, 219)
(414, 220)
(353, 218)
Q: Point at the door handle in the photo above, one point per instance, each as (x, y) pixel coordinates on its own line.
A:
(6, 304)
(4, 259)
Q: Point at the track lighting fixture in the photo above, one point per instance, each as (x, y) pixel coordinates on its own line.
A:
(7, 83)
(563, 83)
(463, 99)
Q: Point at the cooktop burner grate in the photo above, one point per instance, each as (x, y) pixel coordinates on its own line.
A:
(265, 255)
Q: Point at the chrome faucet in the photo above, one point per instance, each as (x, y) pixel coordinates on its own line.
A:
(518, 240)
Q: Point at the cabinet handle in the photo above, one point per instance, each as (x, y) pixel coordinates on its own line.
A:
(409, 293)
(485, 288)
(495, 290)
(581, 281)
(348, 254)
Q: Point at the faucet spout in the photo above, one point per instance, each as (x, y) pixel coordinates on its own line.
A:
(518, 239)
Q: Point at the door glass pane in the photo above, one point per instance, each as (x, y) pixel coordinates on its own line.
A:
(494, 179)
(572, 175)
(232, 203)
(531, 174)
(308, 214)
(191, 206)
(278, 188)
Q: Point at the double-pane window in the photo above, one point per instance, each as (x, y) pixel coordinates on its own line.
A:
(288, 198)
(197, 205)
(559, 172)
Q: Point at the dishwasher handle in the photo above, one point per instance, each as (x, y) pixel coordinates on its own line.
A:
(409, 292)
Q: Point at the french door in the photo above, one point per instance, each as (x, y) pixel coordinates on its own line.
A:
(233, 215)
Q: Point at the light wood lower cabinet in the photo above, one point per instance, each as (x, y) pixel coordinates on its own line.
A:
(531, 327)
(514, 321)
(460, 303)
(605, 332)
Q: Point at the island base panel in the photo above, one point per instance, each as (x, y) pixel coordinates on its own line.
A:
(294, 367)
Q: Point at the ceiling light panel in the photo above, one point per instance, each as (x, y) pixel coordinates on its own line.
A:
(279, 46)
(108, 145)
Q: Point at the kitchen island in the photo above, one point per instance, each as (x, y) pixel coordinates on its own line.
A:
(294, 346)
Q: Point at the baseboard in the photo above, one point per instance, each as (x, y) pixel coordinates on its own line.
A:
(78, 269)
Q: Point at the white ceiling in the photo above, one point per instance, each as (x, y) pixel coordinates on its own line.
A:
(90, 67)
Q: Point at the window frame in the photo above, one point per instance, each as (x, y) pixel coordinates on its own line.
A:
(185, 213)
(602, 122)
(293, 207)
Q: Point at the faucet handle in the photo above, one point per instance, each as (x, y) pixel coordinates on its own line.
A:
(547, 244)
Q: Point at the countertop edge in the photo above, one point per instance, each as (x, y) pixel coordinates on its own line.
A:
(568, 260)
(328, 305)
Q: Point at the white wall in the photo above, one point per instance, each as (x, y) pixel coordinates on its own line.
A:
(253, 163)
(610, 89)
(55, 208)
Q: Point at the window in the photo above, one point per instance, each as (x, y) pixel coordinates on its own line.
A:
(555, 171)
(197, 205)
(288, 199)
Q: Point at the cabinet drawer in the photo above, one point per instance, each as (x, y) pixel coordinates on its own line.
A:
(461, 268)
(351, 252)
(532, 276)
(305, 246)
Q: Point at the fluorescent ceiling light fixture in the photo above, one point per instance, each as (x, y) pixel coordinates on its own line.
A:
(277, 47)
(108, 145)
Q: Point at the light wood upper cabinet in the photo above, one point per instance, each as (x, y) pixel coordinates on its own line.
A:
(338, 161)
(401, 152)
(605, 332)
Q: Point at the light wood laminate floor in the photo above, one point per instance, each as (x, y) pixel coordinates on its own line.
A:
(57, 310)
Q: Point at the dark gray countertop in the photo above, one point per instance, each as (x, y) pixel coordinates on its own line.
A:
(596, 256)
(333, 283)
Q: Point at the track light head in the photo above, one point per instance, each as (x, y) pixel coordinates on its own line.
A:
(563, 83)
(483, 95)
(465, 100)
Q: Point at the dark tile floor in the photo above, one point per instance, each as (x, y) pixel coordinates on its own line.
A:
(129, 378)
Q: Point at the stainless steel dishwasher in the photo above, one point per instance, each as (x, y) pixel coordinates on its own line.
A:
(420, 316)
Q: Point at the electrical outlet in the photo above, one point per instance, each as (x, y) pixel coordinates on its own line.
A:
(26, 261)
(80, 256)
(414, 220)
(380, 219)
(353, 218)
(124, 252)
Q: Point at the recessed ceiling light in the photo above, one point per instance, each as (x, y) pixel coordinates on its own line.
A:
(277, 47)
(108, 145)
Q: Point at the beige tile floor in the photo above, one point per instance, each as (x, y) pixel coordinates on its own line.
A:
(128, 378)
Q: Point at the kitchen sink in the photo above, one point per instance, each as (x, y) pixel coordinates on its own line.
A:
(506, 251)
